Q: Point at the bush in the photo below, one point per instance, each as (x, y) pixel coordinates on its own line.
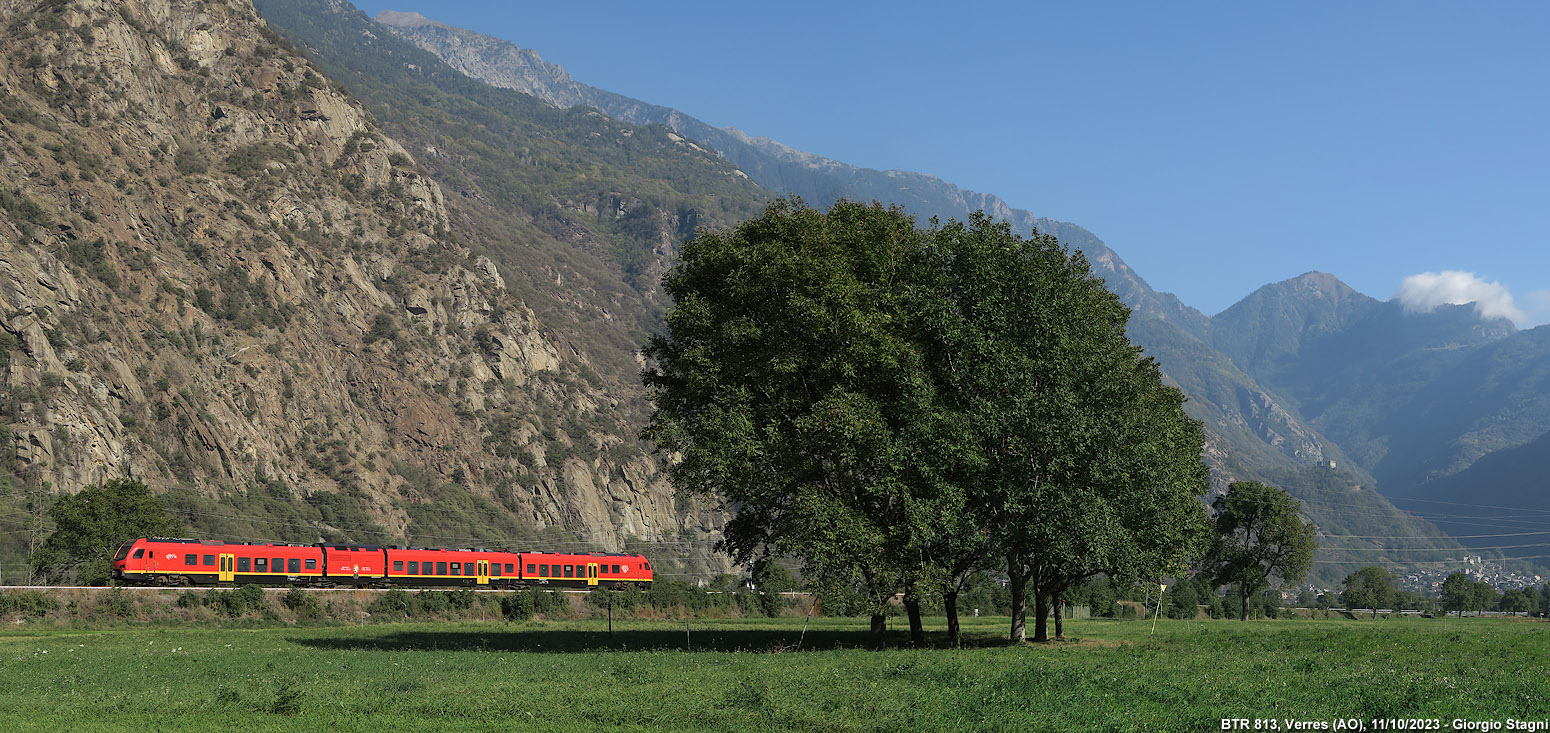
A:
(190, 599)
(430, 603)
(395, 603)
(461, 600)
(523, 604)
(518, 606)
(117, 604)
(305, 605)
(27, 603)
(234, 603)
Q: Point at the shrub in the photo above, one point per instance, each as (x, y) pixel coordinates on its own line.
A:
(305, 605)
(392, 603)
(521, 605)
(550, 603)
(461, 600)
(117, 604)
(190, 599)
(517, 606)
(237, 602)
(430, 603)
(27, 603)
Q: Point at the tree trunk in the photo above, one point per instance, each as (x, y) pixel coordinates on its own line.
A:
(879, 631)
(1041, 610)
(950, 602)
(917, 629)
(1060, 627)
(1019, 587)
(1244, 613)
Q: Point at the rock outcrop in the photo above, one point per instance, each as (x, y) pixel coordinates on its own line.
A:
(217, 273)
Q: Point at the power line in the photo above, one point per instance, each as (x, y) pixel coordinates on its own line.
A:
(1425, 537)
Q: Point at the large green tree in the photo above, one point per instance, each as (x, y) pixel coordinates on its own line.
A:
(1482, 595)
(1457, 593)
(893, 405)
(1514, 600)
(1370, 587)
(91, 524)
(786, 385)
(1261, 538)
(1082, 460)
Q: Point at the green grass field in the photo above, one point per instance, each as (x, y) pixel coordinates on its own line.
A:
(743, 674)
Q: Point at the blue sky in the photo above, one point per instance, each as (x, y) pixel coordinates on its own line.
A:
(1217, 147)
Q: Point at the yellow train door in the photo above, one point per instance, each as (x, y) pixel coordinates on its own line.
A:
(228, 569)
(484, 572)
(591, 573)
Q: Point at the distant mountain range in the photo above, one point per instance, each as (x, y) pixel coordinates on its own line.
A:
(1306, 382)
(310, 280)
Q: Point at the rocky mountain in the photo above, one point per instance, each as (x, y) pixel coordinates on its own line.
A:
(1411, 396)
(1307, 383)
(1253, 431)
(1241, 409)
(223, 275)
(313, 282)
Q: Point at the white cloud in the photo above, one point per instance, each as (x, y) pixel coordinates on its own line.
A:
(1424, 292)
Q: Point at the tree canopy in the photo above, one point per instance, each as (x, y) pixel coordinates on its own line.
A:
(1370, 587)
(895, 406)
(90, 525)
(1261, 537)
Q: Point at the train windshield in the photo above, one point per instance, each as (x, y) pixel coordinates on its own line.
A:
(123, 550)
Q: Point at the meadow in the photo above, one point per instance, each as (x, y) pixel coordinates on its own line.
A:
(747, 674)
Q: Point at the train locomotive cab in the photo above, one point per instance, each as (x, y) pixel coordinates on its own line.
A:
(129, 562)
(164, 561)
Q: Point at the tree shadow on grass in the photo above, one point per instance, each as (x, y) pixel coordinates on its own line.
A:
(564, 642)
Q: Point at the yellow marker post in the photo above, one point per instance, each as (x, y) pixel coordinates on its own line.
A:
(1160, 590)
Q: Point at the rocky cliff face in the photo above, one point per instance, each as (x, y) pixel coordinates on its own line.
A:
(218, 273)
(1243, 416)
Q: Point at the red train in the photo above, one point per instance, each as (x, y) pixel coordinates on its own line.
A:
(162, 561)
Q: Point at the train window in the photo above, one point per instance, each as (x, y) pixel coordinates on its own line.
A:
(414, 567)
(457, 569)
(543, 571)
(398, 566)
(469, 569)
(530, 570)
(441, 568)
(209, 560)
(570, 571)
(261, 565)
(312, 563)
(139, 553)
(617, 570)
(190, 559)
(495, 569)
(244, 564)
(510, 569)
(277, 565)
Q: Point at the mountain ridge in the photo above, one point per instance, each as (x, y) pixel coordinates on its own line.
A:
(223, 276)
(1252, 431)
